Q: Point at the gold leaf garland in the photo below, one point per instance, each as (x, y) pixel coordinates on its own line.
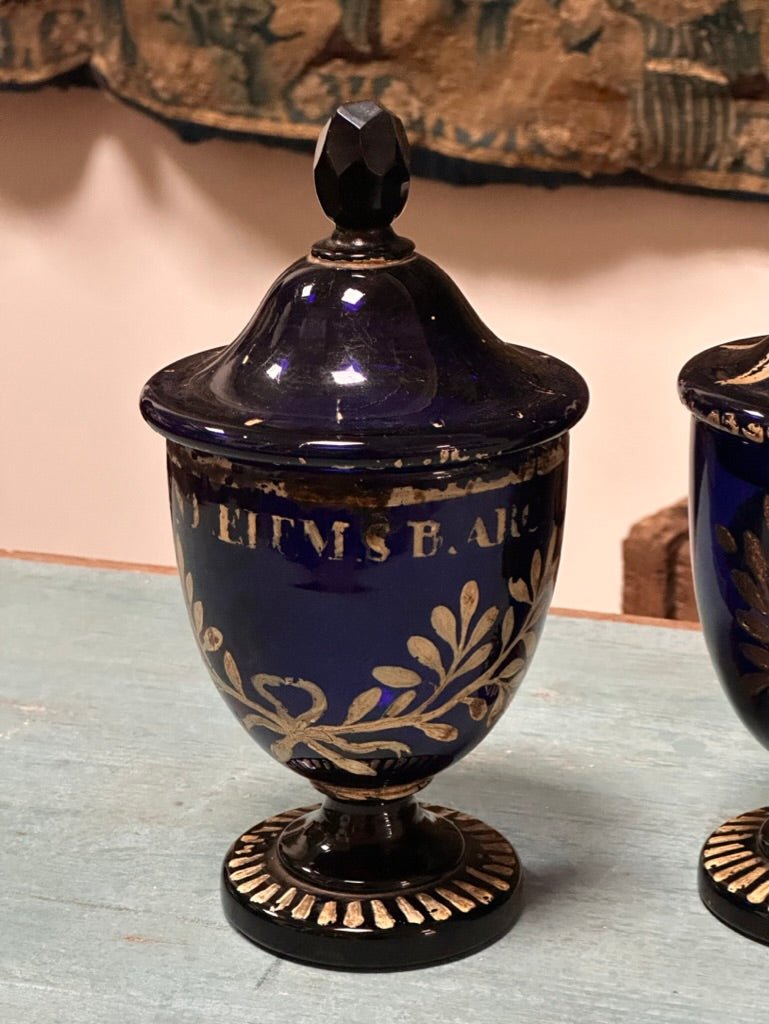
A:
(752, 584)
(470, 640)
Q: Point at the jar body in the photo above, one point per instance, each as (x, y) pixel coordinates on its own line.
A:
(368, 628)
(730, 554)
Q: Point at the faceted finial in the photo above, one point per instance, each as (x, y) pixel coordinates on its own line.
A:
(362, 166)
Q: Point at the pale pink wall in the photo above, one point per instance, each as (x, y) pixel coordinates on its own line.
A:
(122, 249)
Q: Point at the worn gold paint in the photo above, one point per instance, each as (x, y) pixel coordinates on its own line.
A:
(327, 913)
(758, 372)
(760, 894)
(286, 899)
(752, 876)
(306, 489)
(735, 869)
(302, 910)
(461, 903)
(499, 869)
(253, 883)
(410, 912)
(353, 915)
(382, 917)
(482, 895)
(497, 883)
(438, 911)
(265, 894)
(728, 422)
(723, 848)
(245, 873)
(538, 465)
(426, 537)
(717, 862)
(237, 862)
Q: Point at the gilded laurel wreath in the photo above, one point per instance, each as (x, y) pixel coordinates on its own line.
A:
(752, 584)
(476, 661)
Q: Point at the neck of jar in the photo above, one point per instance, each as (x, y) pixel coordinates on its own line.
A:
(361, 245)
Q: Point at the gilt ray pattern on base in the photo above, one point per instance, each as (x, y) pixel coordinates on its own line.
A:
(249, 874)
(733, 859)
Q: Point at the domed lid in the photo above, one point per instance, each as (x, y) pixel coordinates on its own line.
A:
(728, 386)
(364, 353)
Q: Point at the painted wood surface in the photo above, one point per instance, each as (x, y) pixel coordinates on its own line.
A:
(618, 756)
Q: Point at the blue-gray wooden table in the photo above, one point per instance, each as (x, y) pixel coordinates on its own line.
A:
(124, 778)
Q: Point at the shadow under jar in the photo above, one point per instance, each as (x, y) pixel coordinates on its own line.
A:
(368, 493)
(727, 390)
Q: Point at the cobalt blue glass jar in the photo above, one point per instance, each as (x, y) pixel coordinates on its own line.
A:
(727, 390)
(368, 492)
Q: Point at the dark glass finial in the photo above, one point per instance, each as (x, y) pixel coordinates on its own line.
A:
(362, 167)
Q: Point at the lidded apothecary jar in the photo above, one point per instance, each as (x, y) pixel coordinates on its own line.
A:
(726, 388)
(368, 492)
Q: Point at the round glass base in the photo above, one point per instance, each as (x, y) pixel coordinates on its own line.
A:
(734, 874)
(390, 925)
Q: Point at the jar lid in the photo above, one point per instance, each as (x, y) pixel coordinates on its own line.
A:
(364, 353)
(728, 387)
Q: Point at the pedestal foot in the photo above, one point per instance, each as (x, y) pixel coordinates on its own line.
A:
(278, 890)
(734, 874)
